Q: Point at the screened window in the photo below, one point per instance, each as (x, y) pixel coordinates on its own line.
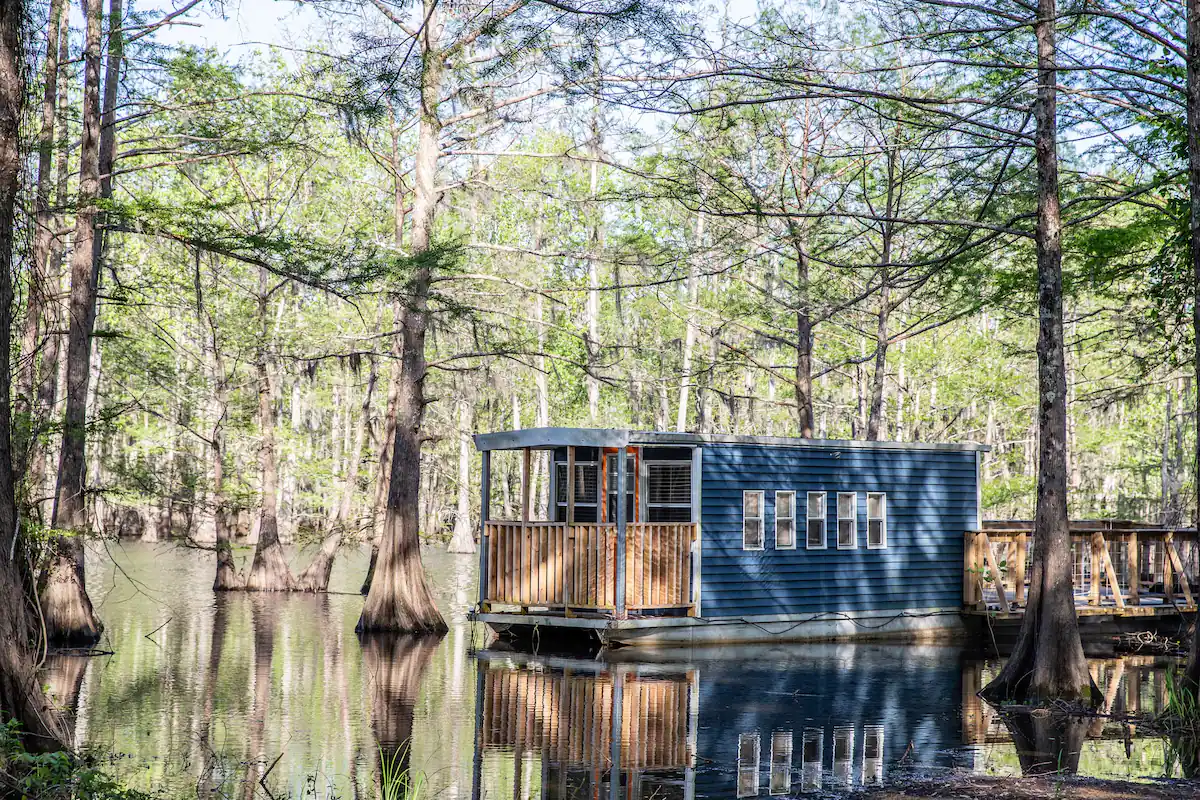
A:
(587, 490)
(847, 520)
(781, 762)
(747, 766)
(669, 491)
(876, 520)
(785, 520)
(752, 520)
(816, 521)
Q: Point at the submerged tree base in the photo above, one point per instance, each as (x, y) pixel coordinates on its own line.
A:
(66, 608)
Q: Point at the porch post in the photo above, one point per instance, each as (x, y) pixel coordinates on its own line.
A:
(622, 457)
(525, 485)
(697, 539)
(570, 485)
(615, 738)
(484, 511)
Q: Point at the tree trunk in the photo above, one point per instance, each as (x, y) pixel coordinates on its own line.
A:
(315, 577)
(463, 539)
(1192, 671)
(42, 281)
(399, 599)
(354, 455)
(227, 577)
(879, 376)
(592, 310)
(804, 346)
(689, 337)
(1047, 663)
(383, 471)
(66, 607)
(21, 694)
(269, 572)
(40, 483)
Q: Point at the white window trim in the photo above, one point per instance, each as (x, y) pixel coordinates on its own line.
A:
(882, 545)
(853, 518)
(793, 518)
(824, 521)
(762, 507)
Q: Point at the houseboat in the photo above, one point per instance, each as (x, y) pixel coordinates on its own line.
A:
(682, 539)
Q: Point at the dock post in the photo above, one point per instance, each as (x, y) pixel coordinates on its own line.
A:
(484, 545)
(622, 456)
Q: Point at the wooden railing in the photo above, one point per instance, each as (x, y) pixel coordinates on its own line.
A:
(558, 566)
(1132, 562)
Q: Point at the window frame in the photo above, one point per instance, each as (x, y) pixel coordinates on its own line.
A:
(852, 518)
(648, 465)
(792, 492)
(883, 544)
(824, 518)
(762, 509)
(578, 503)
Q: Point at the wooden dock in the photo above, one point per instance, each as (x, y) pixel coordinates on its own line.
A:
(1119, 568)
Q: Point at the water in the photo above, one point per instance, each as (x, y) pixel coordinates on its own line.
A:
(262, 695)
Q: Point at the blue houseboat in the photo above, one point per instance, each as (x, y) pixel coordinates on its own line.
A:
(677, 539)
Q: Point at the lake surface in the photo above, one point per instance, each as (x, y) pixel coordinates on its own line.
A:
(273, 696)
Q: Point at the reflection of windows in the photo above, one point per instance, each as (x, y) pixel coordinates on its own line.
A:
(747, 766)
(752, 520)
(847, 503)
(872, 758)
(781, 762)
(785, 520)
(876, 520)
(587, 490)
(810, 755)
(816, 521)
(843, 753)
(668, 491)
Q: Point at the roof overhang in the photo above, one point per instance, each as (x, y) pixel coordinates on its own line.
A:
(547, 438)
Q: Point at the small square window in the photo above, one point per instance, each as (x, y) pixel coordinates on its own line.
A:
(847, 520)
(876, 520)
(815, 539)
(752, 520)
(785, 520)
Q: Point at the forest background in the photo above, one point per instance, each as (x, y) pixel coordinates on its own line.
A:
(701, 232)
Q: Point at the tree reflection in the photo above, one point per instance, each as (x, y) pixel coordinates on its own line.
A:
(64, 678)
(216, 644)
(263, 610)
(1046, 743)
(395, 666)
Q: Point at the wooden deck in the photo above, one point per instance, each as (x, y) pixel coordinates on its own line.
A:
(573, 568)
(1119, 569)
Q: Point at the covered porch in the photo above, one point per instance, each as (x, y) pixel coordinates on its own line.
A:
(618, 536)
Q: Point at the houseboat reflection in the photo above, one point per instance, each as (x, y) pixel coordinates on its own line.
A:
(819, 720)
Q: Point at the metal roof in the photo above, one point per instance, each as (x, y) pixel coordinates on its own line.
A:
(546, 438)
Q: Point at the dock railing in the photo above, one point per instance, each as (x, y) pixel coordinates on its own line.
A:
(1115, 564)
(561, 567)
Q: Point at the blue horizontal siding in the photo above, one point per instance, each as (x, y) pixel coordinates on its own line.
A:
(931, 497)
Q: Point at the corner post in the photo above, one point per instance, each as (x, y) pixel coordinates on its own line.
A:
(697, 536)
(622, 457)
(485, 495)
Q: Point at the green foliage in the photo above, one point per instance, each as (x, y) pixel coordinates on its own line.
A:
(48, 776)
